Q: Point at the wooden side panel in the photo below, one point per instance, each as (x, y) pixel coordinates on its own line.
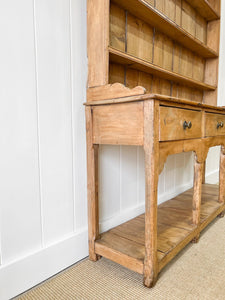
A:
(97, 41)
(118, 124)
(211, 67)
(117, 27)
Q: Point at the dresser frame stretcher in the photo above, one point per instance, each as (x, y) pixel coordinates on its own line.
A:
(148, 242)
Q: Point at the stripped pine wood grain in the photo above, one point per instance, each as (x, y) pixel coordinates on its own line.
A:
(222, 176)
(142, 10)
(116, 90)
(133, 62)
(169, 9)
(207, 9)
(92, 186)
(201, 29)
(116, 73)
(126, 121)
(117, 27)
(188, 18)
(214, 124)
(172, 124)
(151, 150)
(178, 12)
(211, 66)
(139, 38)
(175, 230)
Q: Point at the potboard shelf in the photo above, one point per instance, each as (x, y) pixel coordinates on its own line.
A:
(133, 62)
(205, 9)
(146, 12)
(175, 230)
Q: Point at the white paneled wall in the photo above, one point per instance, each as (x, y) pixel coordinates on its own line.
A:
(43, 210)
(43, 222)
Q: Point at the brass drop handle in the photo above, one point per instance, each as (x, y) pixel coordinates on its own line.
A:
(187, 125)
(219, 124)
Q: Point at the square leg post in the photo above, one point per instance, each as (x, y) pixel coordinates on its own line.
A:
(92, 187)
(197, 194)
(151, 149)
(222, 180)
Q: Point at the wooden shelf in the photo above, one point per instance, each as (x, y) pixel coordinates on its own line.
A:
(205, 9)
(133, 62)
(144, 11)
(175, 230)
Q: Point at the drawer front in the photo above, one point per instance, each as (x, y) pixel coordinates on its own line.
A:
(214, 124)
(179, 124)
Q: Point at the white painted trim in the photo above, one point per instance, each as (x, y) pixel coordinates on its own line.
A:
(178, 190)
(212, 177)
(23, 274)
(122, 217)
(132, 212)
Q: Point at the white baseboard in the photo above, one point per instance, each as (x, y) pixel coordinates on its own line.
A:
(212, 177)
(133, 212)
(21, 275)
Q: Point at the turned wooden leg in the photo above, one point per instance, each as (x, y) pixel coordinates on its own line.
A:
(222, 176)
(196, 203)
(92, 187)
(151, 148)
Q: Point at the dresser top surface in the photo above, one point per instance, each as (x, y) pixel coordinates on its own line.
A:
(162, 98)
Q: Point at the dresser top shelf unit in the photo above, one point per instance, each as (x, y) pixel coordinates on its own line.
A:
(154, 17)
(152, 82)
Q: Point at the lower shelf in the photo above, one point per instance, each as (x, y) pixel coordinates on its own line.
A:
(125, 244)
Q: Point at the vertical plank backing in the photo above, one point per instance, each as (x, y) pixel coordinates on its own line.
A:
(201, 29)
(176, 58)
(178, 12)
(116, 73)
(117, 27)
(161, 86)
(139, 38)
(188, 18)
(186, 62)
(97, 41)
(198, 68)
(169, 9)
(135, 78)
(159, 4)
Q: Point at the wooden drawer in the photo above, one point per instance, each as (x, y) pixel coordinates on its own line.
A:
(214, 124)
(172, 120)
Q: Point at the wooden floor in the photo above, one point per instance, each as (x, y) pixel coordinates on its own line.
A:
(175, 229)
